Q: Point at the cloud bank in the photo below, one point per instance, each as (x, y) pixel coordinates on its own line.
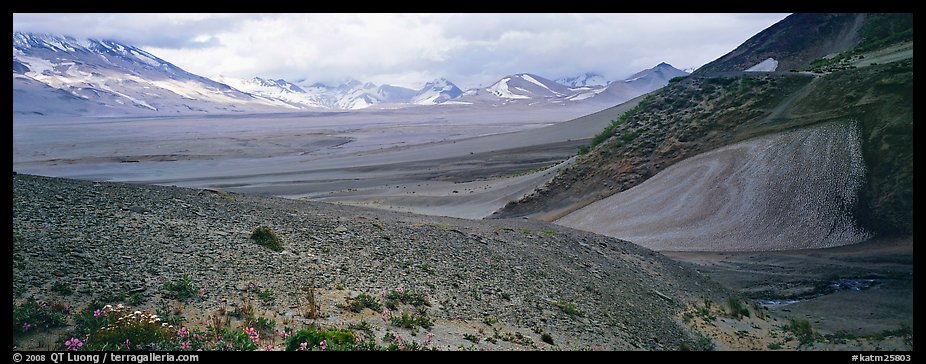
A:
(410, 49)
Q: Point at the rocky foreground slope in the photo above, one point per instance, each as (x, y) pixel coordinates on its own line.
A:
(109, 241)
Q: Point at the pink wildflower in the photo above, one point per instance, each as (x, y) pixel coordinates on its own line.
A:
(253, 334)
(268, 348)
(303, 346)
(323, 344)
(26, 326)
(127, 343)
(183, 332)
(73, 344)
(185, 345)
(200, 293)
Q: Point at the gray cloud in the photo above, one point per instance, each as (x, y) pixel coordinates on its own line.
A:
(410, 49)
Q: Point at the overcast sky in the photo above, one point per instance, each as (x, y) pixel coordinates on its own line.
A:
(409, 49)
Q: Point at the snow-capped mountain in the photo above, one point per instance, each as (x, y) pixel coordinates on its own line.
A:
(65, 75)
(438, 91)
(638, 84)
(350, 94)
(583, 80)
(521, 86)
(279, 89)
(530, 89)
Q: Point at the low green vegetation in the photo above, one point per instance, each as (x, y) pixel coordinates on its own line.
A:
(705, 311)
(337, 340)
(475, 339)
(266, 296)
(180, 289)
(363, 300)
(677, 79)
(266, 237)
(737, 310)
(612, 128)
(881, 30)
(569, 309)
(409, 297)
(33, 316)
(62, 288)
(703, 343)
(532, 171)
(547, 338)
(801, 330)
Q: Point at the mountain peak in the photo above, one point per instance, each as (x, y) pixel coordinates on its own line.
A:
(438, 91)
(587, 79)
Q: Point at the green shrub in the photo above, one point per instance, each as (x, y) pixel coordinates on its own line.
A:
(267, 238)
(266, 296)
(409, 297)
(412, 321)
(335, 339)
(119, 328)
(547, 338)
(677, 79)
(181, 289)
(363, 300)
(569, 309)
(611, 129)
(737, 309)
(236, 340)
(802, 330)
(704, 343)
(32, 316)
(264, 324)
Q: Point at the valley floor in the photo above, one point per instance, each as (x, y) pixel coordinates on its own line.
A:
(855, 297)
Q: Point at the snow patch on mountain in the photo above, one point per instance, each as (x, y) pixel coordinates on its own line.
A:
(584, 80)
(768, 65)
(500, 89)
(534, 81)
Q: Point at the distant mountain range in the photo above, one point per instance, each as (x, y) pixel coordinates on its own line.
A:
(533, 89)
(351, 94)
(62, 75)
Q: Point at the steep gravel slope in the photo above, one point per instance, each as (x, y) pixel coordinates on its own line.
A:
(791, 190)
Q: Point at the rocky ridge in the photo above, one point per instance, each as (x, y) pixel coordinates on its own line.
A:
(122, 238)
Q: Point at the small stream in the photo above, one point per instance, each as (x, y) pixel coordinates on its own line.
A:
(841, 284)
